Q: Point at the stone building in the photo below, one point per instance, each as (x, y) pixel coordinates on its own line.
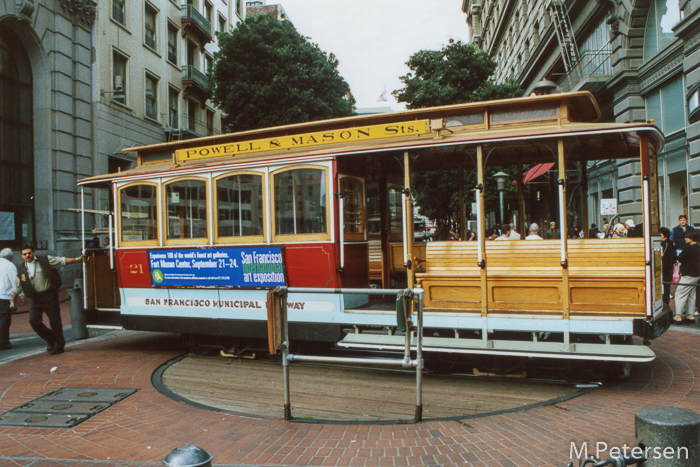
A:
(152, 68)
(640, 59)
(259, 7)
(46, 111)
(81, 80)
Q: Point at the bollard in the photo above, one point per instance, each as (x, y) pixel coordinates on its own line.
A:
(669, 436)
(77, 314)
(187, 456)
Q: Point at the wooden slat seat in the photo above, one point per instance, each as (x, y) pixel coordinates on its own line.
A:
(417, 253)
(376, 271)
(605, 276)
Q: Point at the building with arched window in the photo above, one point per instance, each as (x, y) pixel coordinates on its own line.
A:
(46, 139)
(640, 59)
(80, 81)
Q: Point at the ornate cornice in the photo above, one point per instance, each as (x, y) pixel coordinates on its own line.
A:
(664, 71)
(80, 10)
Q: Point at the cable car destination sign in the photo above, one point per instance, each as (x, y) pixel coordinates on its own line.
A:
(343, 135)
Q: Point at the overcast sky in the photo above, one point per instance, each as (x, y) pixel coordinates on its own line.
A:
(373, 39)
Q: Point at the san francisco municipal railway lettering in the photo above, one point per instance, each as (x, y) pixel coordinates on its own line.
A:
(237, 304)
(419, 127)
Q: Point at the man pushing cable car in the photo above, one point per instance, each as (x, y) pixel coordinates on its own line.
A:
(38, 279)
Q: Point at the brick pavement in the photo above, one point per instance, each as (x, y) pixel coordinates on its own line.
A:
(142, 429)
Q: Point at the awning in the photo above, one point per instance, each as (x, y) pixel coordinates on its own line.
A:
(536, 171)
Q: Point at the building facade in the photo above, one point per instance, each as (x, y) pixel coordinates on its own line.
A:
(46, 132)
(639, 58)
(152, 67)
(80, 81)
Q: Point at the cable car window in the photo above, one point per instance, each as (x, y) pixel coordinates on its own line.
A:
(395, 210)
(139, 213)
(300, 202)
(239, 201)
(354, 212)
(186, 203)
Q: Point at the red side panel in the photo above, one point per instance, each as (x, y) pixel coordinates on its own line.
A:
(134, 269)
(311, 265)
(307, 266)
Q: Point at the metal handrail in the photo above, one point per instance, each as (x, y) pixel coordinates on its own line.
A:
(189, 11)
(580, 70)
(280, 295)
(191, 73)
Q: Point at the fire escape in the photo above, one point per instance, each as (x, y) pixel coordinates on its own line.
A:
(588, 70)
(565, 33)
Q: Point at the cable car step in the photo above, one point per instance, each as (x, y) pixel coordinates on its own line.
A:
(574, 351)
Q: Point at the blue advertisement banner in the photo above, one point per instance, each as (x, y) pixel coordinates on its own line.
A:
(218, 267)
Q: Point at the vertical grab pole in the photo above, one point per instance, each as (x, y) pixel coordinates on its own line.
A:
(285, 353)
(563, 232)
(341, 215)
(408, 244)
(82, 249)
(647, 212)
(403, 220)
(419, 356)
(111, 242)
(482, 233)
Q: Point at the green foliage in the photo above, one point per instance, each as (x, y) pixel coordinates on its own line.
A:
(456, 74)
(267, 74)
(437, 191)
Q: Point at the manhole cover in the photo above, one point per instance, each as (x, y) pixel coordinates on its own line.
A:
(49, 420)
(64, 407)
(41, 406)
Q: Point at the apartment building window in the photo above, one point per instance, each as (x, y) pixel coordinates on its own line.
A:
(662, 105)
(150, 15)
(119, 64)
(119, 11)
(151, 96)
(222, 24)
(209, 64)
(173, 99)
(172, 44)
(210, 122)
(208, 9)
(663, 16)
(192, 116)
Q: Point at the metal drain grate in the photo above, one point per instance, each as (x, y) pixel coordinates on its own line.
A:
(64, 407)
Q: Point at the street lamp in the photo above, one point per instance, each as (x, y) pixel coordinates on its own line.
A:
(501, 180)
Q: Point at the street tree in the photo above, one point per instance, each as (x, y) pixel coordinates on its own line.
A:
(267, 74)
(456, 74)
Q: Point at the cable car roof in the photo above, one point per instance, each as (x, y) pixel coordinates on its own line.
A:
(517, 130)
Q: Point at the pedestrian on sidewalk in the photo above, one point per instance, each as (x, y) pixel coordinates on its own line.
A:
(39, 280)
(8, 273)
(689, 260)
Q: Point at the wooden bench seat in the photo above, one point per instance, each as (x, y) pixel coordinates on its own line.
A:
(376, 270)
(605, 276)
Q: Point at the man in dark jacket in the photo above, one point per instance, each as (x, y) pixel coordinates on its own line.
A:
(689, 260)
(38, 279)
(668, 260)
(678, 233)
